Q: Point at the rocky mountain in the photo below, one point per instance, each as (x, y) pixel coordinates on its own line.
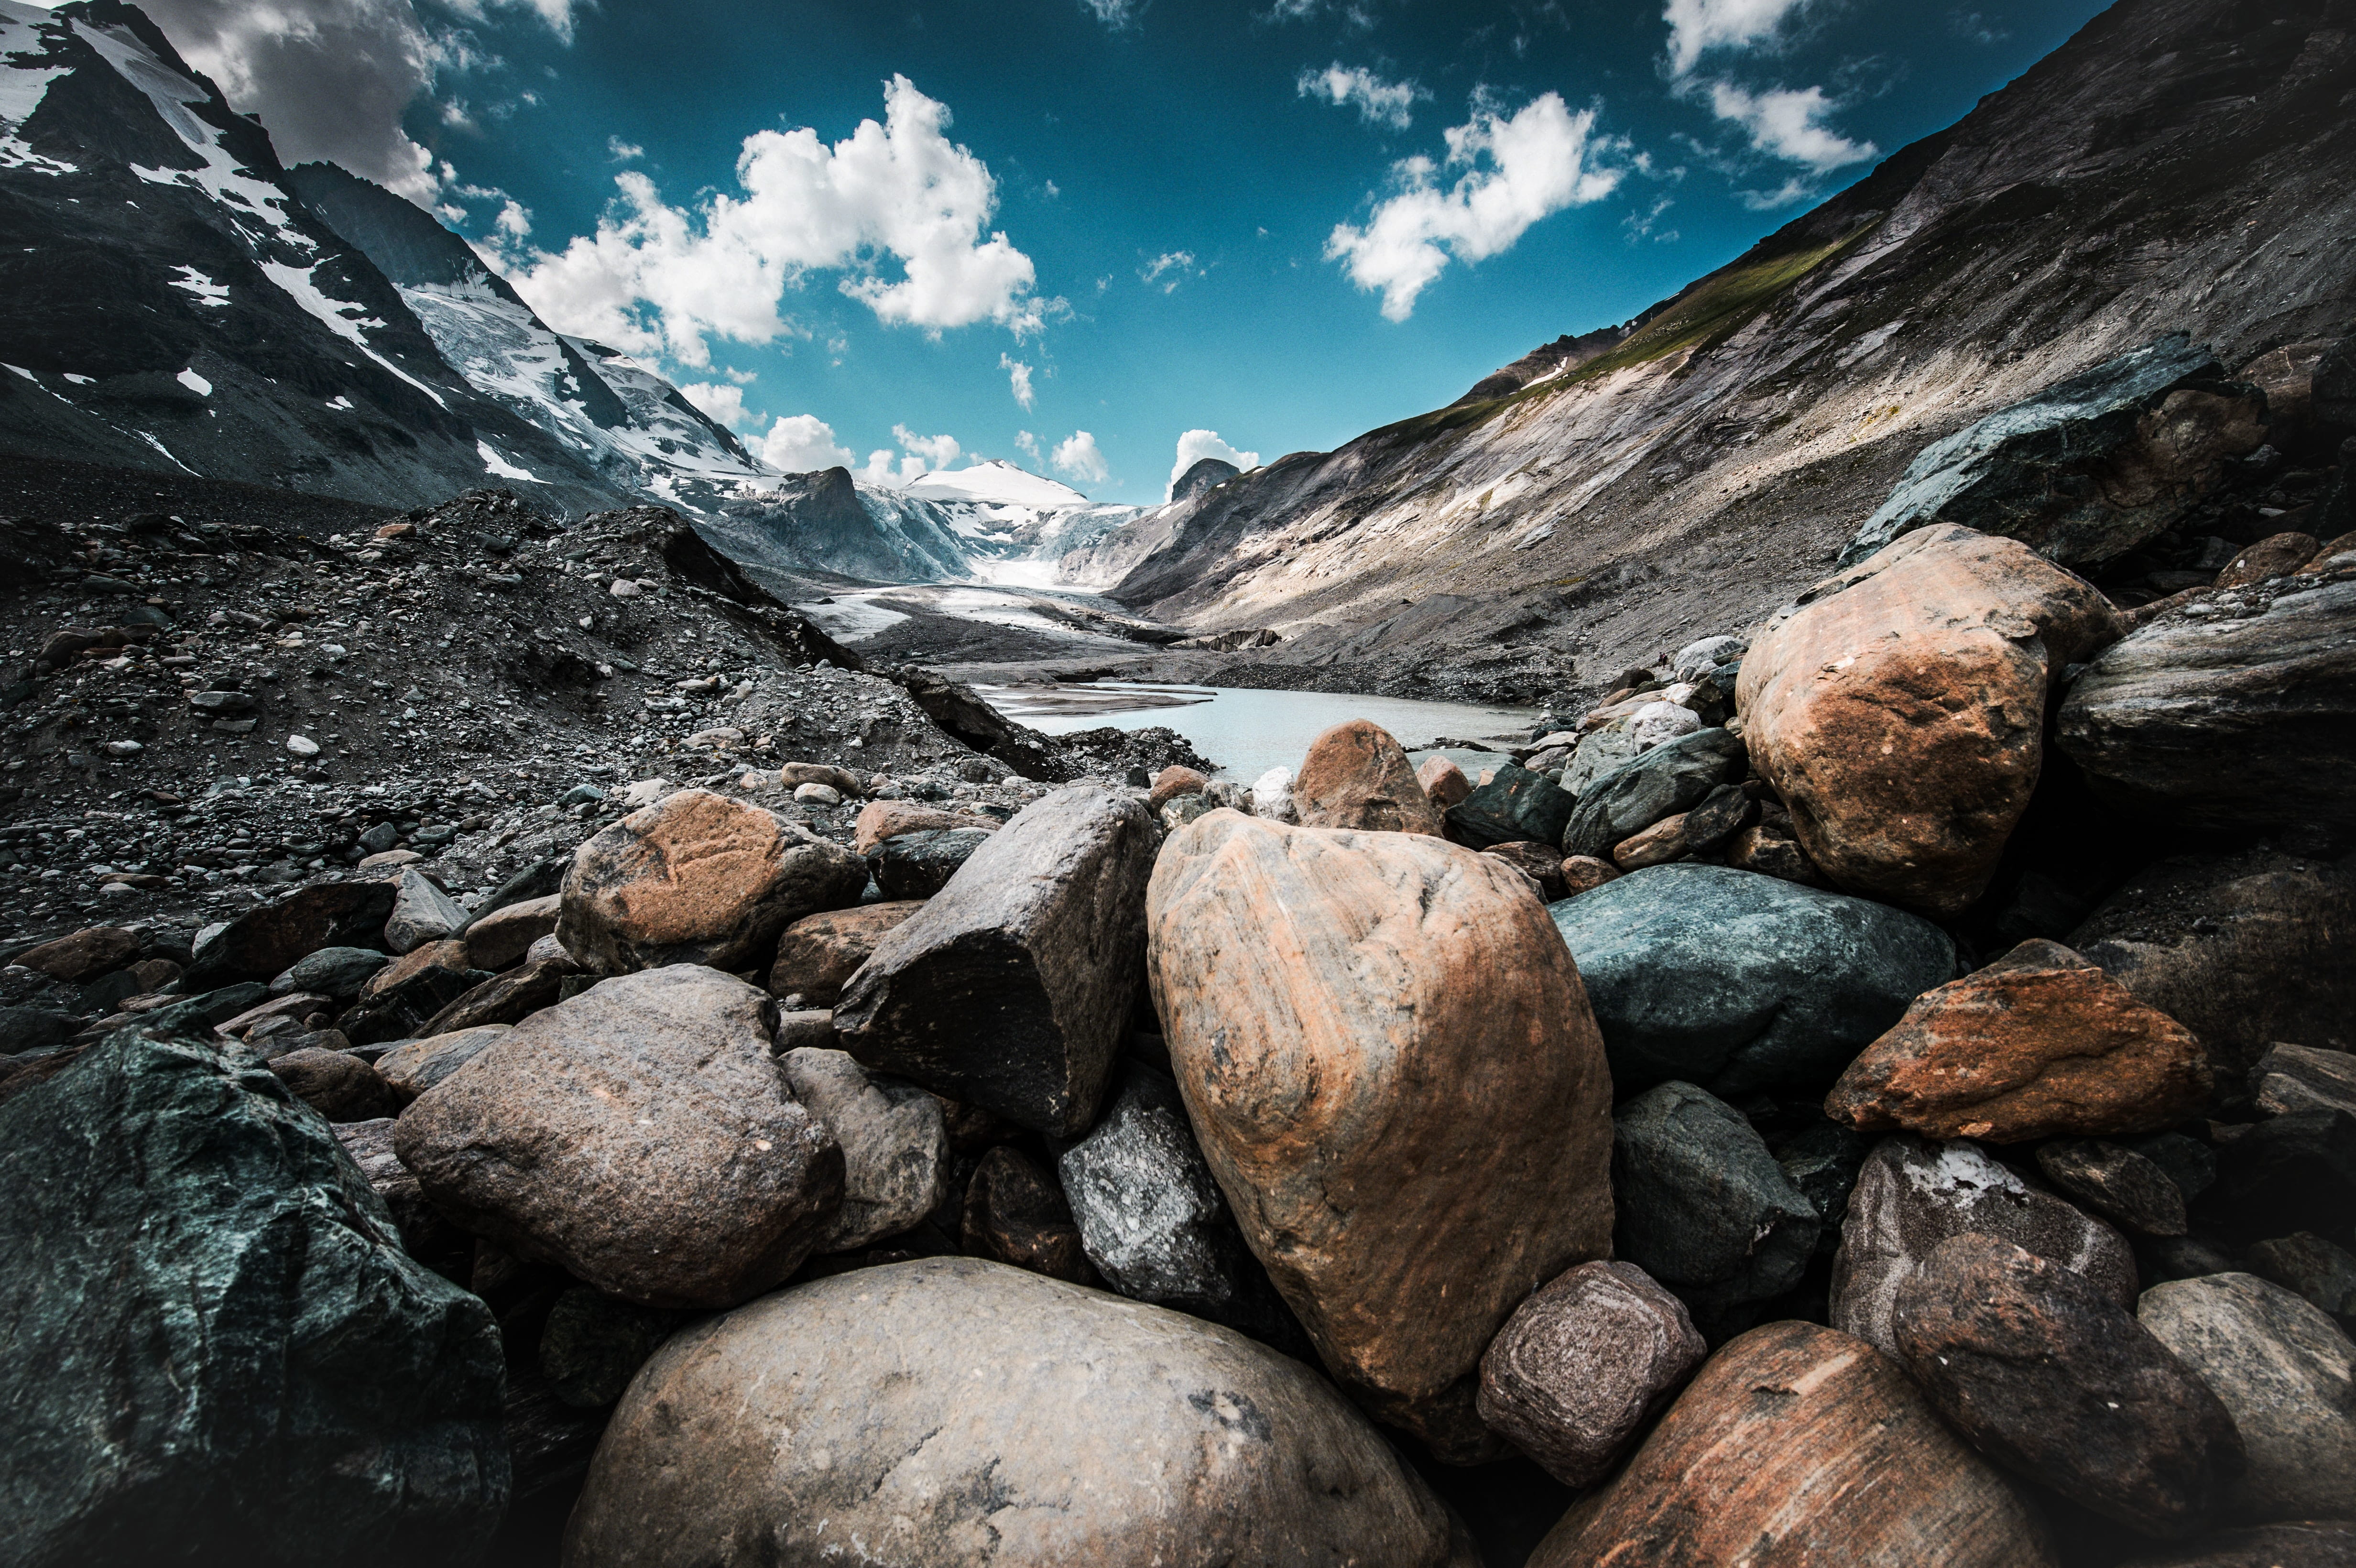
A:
(2180, 166)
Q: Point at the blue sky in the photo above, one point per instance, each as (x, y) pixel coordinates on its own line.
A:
(1284, 222)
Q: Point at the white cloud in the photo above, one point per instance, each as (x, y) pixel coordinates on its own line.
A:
(1789, 124)
(1197, 444)
(1542, 160)
(513, 225)
(622, 152)
(1172, 264)
(801, 445)
(743, 378)
(1116, 14)
(935, 451)
(1077, 456)
(1380, 102)
(1698, 26)
(1027, 444)
(1018, 376)
(721, 405)
(655, 276)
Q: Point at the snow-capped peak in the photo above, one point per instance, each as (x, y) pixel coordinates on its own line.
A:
(995, 480)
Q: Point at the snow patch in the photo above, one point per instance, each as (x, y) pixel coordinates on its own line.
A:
(299, 287)
(503, 467)
(195, 383)
(206, 291)
(340, 403)
(81, 380)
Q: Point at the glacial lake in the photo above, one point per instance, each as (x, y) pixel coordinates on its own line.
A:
(1247, 732)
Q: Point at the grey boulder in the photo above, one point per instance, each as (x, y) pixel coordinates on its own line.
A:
(894, 1138)
(336, 972)
(918, 865)
(421, 912)
(1672, 777)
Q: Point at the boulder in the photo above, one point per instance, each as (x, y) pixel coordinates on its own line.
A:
(910, 867)
(697, 878)
(340, 1087)
(2295, 1170)
(1015, 1212)
(1662, 781)
(1585, 873)
(819, 953)
(1583, 1364)
(1700, 659)
(2311, 1267)
(1541, 863)
(339, 972)
(826, 775)
(84, 954)
(1898, 710)
(506, 998)
(219, 1352)
(637, 1136)
(1798, 1445)
(2310, 1543)
(404, 998)
(447, 953)
(1172, 782)
(1606, 749)
(2277, 555)
(1739, 982)
(1106, 1431)
(592, 1345)
(2088, 468)
(1357, 777)
(1912, 1195)
(2124, 1186)
(2038, 1044)
(1389, 1060)
(1443, 782)
(2245, 950)
(1515, 806)
(2052, 1378)
(1271, 796)
(2300, 1078)
(267, 940)
(498, 940)
(2285, 1372)
(883, 819)
(1768, 851)
(426, 1233)
(2235, 712)
(1011, 987)
(412, 1068)
(421, 912)
(894, 1142)
(1703, 1207)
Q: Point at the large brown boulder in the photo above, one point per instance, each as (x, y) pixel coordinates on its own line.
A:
(1355, 775)
(882, 819)
(1388, 1057)
(951, 1411)
(500, 939)
(84, 954)
(819, 953)
(1010, 989)
(1899, 709)
(2038, 1044)
(638, 1136)
(697, 878)
(1801, 1445)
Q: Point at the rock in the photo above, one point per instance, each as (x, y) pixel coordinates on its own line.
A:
(2228, 716)
(421, 912)
(1148, 1211)
(2297, 1170)
(2038, 1044)
(2299, 1078)
(1389, 1060)
(84, 954)
(1821, 1161)
(1771, 854)
(498, 941)
(192, 1256)
(337, 972)
(1702, 656)
(447, 953)
(426, 1233)
(895, 1144)
(267, 940)
(1599, 752)
(698, 879)
(843, 781)
(2306, 1263)
(507, 999)
(1703, 1207)
(2118, 1183)
(883, 819)
(1911, 1196)
(1798, 1445)
(2044, 1373)
(637, 1136)
(1271, 796)
(1172, 782)
(1694, 832)
(1898, 710)
(405, 998)
(592, 1345)
(2277, 555)
(1583, 1364)
(1187, 808)
(1668, 779)
(2088, 468)
(411, 1070)
(1011, 987)
(916, 866)
(536, 881)
(1585, 873)
(2244, 950)
(819, 953)
(2306, 1544)
(2288, 1375)
(735, 1446)
(339, 1087)
(1015, 1213)
(1515, 805)
(1739, 982)
(816, 794)
(1541, 863)
(1355, 776)
(1443, 782)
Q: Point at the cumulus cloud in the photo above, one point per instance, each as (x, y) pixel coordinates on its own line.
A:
(1517, 171)
(1076, 457)
(622, 152)
(1789, 124)
(801, 445)
(1027, 444)
(1117, 14)
(1197, 444)
(1174, 265)
(659, 277)
(933, 451)
(1018, 376)
(1698, 27)
(1379, 103)
(721, 405)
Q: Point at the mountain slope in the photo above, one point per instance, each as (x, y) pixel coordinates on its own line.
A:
(2178, 165)
(180, 306)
